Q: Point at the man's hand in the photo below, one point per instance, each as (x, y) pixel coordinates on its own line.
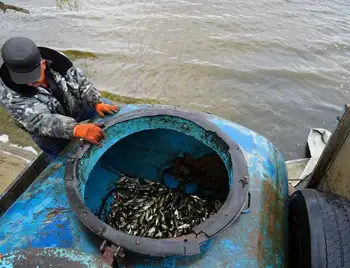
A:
(102, 109)
(90, 132)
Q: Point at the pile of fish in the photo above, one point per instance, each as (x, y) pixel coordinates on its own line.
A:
(150, 209)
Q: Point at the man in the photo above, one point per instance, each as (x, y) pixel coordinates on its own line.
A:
(48, 96)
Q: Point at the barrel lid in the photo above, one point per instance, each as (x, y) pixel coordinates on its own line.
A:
(49, 257)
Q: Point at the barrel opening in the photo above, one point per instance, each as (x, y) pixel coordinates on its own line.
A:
(171, 158)
(159, 148)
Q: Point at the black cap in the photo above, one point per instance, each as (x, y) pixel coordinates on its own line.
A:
(23, 60)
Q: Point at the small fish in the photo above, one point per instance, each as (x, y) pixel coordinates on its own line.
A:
(163, 217)
(217, 205)
(161, 201)
(184, 226)
(158, 235)
(151, 231)
(144, 208)
(196, 198)
(123, 179)
(142, 217)
(122, 225)
(176, 213)
(168, 213)
(140, 200)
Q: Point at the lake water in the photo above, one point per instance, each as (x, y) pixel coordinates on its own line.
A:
(278, 67)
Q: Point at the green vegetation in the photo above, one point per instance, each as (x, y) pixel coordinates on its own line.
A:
(71, 4)
(128, 100)
(77, 54)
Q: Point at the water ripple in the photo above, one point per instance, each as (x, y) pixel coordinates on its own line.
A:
(276, 66)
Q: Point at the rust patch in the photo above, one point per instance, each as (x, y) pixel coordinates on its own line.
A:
(261, 249)
(209, 172)
(49, 171)
(55, 211)
(271, 222)
(255, 240)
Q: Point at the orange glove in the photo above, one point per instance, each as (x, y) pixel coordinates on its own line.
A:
(102, 109)
(90, 132)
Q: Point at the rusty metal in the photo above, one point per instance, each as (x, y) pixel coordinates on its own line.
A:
(244, 181)
(111, 254)
(249, 205)
(208, 171)
(81, 142)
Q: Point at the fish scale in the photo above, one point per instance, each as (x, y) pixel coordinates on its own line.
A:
(147, 208)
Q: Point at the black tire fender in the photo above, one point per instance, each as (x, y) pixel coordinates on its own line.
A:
(319, 230)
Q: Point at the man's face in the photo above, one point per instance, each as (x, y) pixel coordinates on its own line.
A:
(42, 75)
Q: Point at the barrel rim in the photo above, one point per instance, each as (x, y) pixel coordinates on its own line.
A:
(184, 245)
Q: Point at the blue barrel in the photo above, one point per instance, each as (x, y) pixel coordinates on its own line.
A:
(143, 141)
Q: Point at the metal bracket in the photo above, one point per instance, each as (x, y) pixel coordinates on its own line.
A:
(111, 254)
(244, 181)
(249, 207)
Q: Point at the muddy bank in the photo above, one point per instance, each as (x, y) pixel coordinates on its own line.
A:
(10, 167)
(16, 135)
(13, 159)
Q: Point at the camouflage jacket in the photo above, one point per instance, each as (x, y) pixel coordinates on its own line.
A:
(47, 112)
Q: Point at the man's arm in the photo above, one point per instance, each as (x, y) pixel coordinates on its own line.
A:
(36, 118)
(88, 93)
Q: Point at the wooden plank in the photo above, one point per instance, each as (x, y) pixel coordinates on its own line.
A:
(337, 178)
(330, 152)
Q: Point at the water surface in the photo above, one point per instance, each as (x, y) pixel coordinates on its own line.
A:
(277, 67)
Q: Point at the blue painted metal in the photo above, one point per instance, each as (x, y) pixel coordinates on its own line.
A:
(42, 216)
(50, 257)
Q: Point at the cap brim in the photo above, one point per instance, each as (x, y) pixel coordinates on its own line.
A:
(26, 78)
